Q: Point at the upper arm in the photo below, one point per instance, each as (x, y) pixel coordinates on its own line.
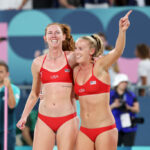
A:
(71, 59)
(106, 61)
(36, 84)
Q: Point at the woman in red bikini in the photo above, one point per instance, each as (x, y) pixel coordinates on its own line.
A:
(52, 73)
(92, 85)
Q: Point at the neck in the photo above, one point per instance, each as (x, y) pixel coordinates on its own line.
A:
(86, 66)
(55, 53)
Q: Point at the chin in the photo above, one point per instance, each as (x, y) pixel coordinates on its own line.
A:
(78, 61)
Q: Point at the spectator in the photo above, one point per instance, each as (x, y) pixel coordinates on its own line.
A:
(13, 99)
(140, 3)
(125, 2)
(124, 107)
(28, 132)
(39, 4)
(15, 4)
(97, 3)
(70, 3)
(142, 52)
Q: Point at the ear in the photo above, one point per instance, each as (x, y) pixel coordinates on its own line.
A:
(92, 51)
(44, 37)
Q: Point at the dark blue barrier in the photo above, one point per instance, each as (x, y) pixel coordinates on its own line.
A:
(143, 132)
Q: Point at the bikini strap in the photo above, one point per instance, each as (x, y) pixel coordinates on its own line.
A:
(66, 58)
(92, 70)
(43, 60)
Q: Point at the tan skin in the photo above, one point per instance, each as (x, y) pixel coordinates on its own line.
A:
(95, 111)
(5, 81)
(57, 99)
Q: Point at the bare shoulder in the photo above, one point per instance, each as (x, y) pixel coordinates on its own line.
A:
(71, 58)
(37, 62)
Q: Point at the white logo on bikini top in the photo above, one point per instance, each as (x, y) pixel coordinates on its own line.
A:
(81, 90)
(92, 82)
(54, 76)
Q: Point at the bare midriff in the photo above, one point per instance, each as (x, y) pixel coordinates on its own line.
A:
(95, 111)
(57, 99)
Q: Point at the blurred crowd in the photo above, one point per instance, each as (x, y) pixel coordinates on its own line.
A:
(71, 4)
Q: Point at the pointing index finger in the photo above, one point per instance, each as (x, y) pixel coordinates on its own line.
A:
(128, 13)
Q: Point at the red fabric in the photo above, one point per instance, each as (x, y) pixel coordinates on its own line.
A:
(92, 86)
(55, 122)
(93, 133)
(63, 75)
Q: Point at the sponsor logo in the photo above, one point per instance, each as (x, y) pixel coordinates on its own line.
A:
(81, 90)
(54, 76)
(92, 82)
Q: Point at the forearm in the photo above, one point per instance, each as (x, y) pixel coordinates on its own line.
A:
(11, 98)
(120, 43)
(134, 109)
(31, 101)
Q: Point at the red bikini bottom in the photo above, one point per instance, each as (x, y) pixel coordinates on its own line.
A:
(55, 122)
(94, 132)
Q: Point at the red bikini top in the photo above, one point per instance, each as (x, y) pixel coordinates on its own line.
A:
(92, 86)
(63, 75)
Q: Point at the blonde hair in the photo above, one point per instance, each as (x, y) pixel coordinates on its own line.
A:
(68, 44)
(96, 43)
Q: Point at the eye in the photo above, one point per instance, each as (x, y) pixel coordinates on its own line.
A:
(57, 32)
(49, 32)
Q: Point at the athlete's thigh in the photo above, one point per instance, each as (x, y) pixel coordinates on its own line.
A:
(83, 142)
(44, 137)
(67, 134)
(107, 140)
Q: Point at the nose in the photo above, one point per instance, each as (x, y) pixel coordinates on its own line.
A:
(53, 34)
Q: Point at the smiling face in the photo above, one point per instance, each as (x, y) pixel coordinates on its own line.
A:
(54, 36)
(83, 51)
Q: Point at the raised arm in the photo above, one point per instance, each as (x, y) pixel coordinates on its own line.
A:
(33, 97)
(107, 60)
